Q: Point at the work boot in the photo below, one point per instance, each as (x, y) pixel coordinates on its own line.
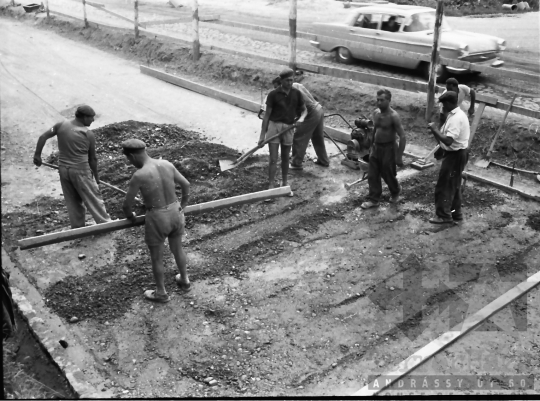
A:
(295, 167)
(396, 198)
(457, 216)
(440, 220)
(369, 205)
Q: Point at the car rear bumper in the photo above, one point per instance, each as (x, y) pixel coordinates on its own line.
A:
(495, 63)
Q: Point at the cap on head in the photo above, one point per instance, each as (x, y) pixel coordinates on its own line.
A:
(85, 110)
(449, 97)
(452, 81)
(133, 145)
(286, 73)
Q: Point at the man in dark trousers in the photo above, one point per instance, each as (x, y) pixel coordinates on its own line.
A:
(454, 140)
(312, 128)
(383, 156)
(283, 106)
(156, 180)
(77, 166)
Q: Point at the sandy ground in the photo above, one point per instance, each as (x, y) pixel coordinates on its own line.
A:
(290, 298)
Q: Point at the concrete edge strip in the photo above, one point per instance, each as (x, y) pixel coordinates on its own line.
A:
(374, 79)
(443, 341)
(504, 187)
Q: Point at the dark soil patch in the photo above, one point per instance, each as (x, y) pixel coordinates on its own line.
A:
(28, 371)
(533, 221)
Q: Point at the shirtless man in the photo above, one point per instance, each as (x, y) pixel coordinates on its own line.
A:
(156, 180)
(383, 156)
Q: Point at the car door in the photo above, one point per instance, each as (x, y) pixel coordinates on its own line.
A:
(390, 35)
(363, 32)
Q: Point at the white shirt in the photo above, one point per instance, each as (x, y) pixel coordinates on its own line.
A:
(457, 128)
(464, 91)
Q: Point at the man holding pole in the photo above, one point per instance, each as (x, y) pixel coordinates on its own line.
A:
(462, 91)
(156, 180)
(283, 105)
(454, 140)
(77, 166)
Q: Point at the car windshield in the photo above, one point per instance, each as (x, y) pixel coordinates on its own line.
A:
(423, 22)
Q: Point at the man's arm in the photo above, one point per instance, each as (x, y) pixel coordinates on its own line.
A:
(92, 158)
(402, 139)
(439, 136)
(265, 122)
(41, 143)
(303, 114)
(473, 100)
(132, 191)
(184, 185)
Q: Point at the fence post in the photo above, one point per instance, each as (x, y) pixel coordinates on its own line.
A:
(47, 8)
(84, 13)
(292, 34)
(136, 19)
(195, 23)
(434, 60)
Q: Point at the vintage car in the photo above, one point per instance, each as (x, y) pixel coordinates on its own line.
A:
(406, 28)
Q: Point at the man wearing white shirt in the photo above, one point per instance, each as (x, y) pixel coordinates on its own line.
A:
(454, 140)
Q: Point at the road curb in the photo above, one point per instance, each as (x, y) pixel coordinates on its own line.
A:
(40, 324)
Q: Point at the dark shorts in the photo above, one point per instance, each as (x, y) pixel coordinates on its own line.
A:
(164, 222)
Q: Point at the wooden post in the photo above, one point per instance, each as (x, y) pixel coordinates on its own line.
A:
(434, 60)
(47, 7)
(54, 238)
(292, 34)
(84, 13)
(136, 19)
(195, 23)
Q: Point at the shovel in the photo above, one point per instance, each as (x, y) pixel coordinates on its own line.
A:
(484, 163)
(225, 165)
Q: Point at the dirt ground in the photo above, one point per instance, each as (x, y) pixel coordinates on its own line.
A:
(301, 296)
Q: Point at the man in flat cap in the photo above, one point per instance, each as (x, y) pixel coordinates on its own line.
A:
(454, 141)
(77, 166)
(284, 107)
(156, 180)
(452, 85)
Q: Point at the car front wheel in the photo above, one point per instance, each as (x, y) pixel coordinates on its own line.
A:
(344, 56)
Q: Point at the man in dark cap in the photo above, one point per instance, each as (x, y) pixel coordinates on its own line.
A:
(284, 106)
(454, 141)
(156, 180)
(77, 166)
(462, 91)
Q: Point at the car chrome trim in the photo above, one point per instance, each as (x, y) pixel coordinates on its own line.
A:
(315, 43)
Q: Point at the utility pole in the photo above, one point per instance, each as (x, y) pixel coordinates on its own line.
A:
(292, 34)
(47, 8)
(434, 60)
(84, 13)
(196, 44)
(136, 19)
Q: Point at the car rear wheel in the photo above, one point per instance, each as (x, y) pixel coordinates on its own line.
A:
(441, 73)
(344, 56)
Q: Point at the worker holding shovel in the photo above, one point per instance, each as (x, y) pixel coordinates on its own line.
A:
(77, 166)
(283, 105)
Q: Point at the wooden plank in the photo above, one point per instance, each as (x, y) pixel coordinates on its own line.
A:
(260, 28)
(168, 21)
(202, 89)
(119, 16)
(94, 4)
(504, 187)
(489, 100)
(448, 338)
(116, 225)
(476, 121)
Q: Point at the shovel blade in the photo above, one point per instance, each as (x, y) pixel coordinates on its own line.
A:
(225, 165)
(482, 163)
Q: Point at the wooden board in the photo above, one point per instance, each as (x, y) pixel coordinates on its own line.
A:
(504, 187)
(448, 338)
(116, 225)
(277, 31)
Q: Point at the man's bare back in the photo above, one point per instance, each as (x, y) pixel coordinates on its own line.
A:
(156, 181)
